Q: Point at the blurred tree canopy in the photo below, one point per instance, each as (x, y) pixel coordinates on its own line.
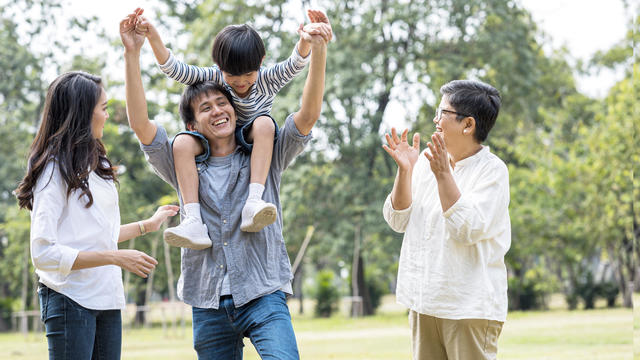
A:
(571, 157)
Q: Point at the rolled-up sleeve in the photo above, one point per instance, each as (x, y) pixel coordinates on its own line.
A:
(160, 156)
(49, 198)
(397, 219)
(482, 212)
(289, 144)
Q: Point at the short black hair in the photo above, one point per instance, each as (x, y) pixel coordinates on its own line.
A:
(193, 92)
(477, 99)
(238, 49)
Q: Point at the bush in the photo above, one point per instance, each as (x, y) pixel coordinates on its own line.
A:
(609, 290)
(587, 290)
(531, 291)
(326, 294)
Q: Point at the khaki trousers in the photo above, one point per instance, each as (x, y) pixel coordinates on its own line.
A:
(434, 338)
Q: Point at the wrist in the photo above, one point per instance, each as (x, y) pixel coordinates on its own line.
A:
(442, 175)
(131, 54)
(143, 227)
(112, 257)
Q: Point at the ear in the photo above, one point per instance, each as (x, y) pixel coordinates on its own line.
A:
(190, 126)
(469, 125)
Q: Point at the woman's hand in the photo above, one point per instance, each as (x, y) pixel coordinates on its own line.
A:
(161, 215)
(439, 157)
(405, 155)
(135, 261)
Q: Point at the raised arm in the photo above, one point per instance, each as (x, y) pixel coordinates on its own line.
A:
(170, 66)
(313, 91)
(136, 102)
(405, 156)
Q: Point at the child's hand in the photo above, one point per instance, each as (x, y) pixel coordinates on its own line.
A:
(315, 30)
(145, 27)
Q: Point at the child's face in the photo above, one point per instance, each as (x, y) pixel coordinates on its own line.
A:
(241, 84)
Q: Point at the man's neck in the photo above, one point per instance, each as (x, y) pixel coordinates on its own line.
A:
(221, 148)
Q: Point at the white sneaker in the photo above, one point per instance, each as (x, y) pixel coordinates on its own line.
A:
(191, 233)
(256, 214)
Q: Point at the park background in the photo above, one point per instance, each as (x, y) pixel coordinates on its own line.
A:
(567, 130)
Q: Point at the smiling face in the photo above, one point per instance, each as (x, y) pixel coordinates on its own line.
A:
(100, 116)
(214, 116)
(241, 84)
(451, 129)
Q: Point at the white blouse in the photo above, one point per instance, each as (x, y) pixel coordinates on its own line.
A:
(62, 226)
(452, 263)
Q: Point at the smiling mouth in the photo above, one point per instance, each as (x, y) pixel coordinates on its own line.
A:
(438, 129)
(220, 122)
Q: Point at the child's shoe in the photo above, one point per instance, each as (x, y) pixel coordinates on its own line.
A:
(257, 214)
(191, 233)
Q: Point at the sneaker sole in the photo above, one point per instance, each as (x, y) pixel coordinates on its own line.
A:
(179, 241)
(262, 218)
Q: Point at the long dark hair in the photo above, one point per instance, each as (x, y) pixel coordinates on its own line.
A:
(65, 136)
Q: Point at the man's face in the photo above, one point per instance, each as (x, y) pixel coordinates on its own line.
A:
(214, 115)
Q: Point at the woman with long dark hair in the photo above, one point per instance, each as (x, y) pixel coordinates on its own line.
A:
(75, 223)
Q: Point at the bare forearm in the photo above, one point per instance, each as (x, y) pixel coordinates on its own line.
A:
(303, 48)
(90, 259)
(401, 193)
(131, 230)
(160, 51)
(447, 190)
(313, 90)
(136, 101)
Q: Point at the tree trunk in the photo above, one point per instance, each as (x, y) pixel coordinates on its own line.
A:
(356, 300)
(367, 306)
(167, 264)
(24, 290)
(127, 274)
(149, 287)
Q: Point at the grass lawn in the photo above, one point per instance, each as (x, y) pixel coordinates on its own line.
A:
(554, 334)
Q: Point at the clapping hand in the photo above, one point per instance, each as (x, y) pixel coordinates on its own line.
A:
(439, 157)
(405, 155)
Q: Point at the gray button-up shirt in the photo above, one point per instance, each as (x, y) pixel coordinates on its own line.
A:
(257, 263)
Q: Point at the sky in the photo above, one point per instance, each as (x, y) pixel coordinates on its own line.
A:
(582, 26)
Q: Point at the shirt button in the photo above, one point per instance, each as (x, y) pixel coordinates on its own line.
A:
(224, 221)
(221, 266)
(198, 168)
(225, 244)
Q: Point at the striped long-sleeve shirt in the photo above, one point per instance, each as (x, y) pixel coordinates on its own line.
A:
(260, 98)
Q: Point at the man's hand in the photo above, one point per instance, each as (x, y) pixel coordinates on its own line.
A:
(439, 157)
(131, 39)
(405, 155)
(319, 26)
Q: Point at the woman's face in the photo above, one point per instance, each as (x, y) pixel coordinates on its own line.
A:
(100, 116)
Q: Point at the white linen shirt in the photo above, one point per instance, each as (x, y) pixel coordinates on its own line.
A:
(62, 226)
(452, 263)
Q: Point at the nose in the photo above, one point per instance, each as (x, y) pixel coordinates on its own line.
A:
(435, 119)
(216, 110)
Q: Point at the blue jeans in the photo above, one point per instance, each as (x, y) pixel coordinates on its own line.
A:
(218, 334)
(75, 332)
